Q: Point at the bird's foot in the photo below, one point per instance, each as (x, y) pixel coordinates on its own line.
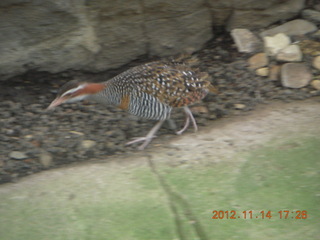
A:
(146, 141)
(180, 132)
(185, 126)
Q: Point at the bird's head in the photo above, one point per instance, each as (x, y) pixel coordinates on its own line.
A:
(75, 91)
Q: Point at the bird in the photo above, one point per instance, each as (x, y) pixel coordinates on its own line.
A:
(149, 91)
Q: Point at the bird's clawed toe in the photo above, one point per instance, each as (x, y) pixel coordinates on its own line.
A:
(146, 141)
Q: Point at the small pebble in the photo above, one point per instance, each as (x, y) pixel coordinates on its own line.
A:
(316, 84)
(199, 109)
(17, 155)
(263, 72)
(316, 62)
(239, 106)
(45, 159)
(87, 144)
(258, 60)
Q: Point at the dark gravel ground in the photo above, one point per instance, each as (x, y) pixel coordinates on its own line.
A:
(53, 139)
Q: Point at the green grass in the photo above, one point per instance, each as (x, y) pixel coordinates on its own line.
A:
(131, 203)
(273, 178)
(79, 207)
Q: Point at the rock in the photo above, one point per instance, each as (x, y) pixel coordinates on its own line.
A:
(274, 72)
(245, 40)
(55, 36)
(258, 60)
(17, 155)
(45, 159)
(239, 106)
(199, 109)
(311, 15)
(295, 75)
(263, 72)
(276, 43)
(44, 35)
(178, 33)
(265, 12)
(292, 28)
(316, 62)
(292, 53)
(316, 84)
(87, 144)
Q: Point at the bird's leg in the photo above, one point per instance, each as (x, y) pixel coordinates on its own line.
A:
(147, 139)
(188, 117)
(194, 123)
(185, 125)
(171, 124)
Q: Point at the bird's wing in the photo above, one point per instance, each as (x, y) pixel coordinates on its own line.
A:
(174, 85)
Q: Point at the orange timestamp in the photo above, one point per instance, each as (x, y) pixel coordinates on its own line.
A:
(250, 214)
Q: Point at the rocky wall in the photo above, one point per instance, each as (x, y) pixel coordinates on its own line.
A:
(96, 35)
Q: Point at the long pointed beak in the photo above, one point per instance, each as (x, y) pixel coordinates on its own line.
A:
(55, 103)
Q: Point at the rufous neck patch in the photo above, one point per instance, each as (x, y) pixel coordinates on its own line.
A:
(92, 88)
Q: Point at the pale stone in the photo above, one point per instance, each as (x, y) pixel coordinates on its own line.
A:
(276, 43)
(316, 84)
(292, 53)
(239, 106)
(199, 109)
(263, 72)
(17, 155)
(295, 75)
(45, 159)
(87, 144)
(292, 28)
(245, 40)
(258, 60)
(316, 62)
